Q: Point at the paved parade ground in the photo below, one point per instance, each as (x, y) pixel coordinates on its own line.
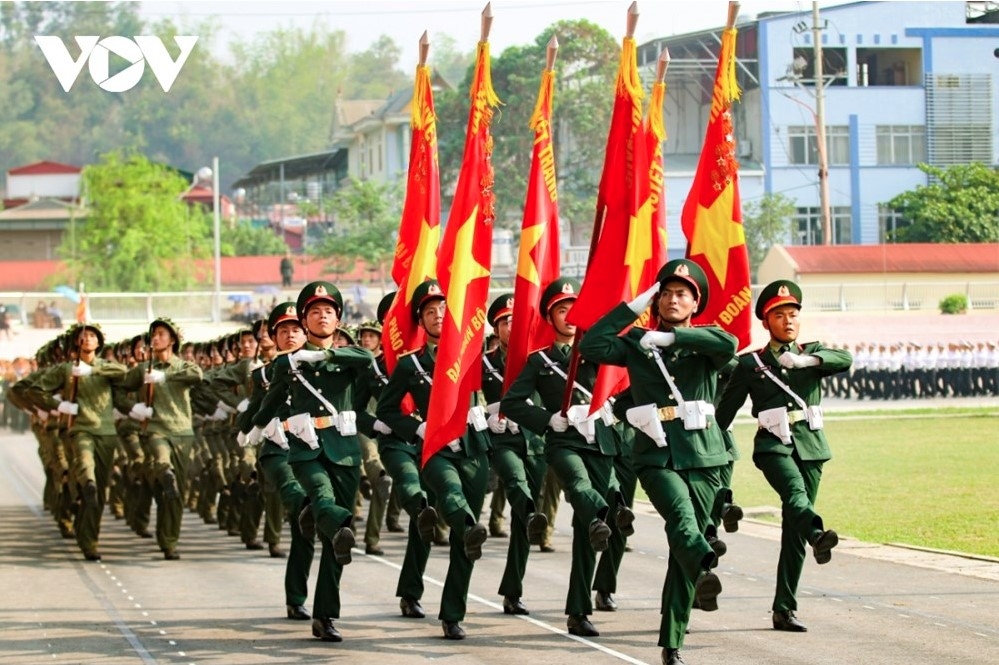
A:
(223, 604)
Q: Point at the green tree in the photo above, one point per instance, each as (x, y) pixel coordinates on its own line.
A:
(138, 235)
(366, 223)
(584, 91)
(248, 240)
(961, 204)
(766, 223)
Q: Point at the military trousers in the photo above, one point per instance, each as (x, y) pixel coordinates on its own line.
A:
(459, 485)
(169, 452)
(279, 476)
(94, 459)
(404, 467)
(605, 579)
(520, 478)
(587, 476)
(796, 481)
(684, 500)
(331, 489)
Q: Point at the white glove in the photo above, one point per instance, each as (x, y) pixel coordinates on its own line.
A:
(241, 439)
(220, 414)
(641, 303)
(307, 356)
(496, 424)
(421, 431)
(82, 369)
(43, 415)
(154, 376)
(242, 406)
(118, 415)
(254, 436)
(558, 422)
(657, 338)
(220, 405)
(381, 427)
(140, 412)
(793, 360)
(513, 427)
(69, 408)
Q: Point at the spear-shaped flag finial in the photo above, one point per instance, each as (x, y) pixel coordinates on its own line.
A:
(424, 48)
(551, 52)
(632, 20)
(487, 21)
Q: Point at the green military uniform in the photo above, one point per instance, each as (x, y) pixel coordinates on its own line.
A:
(605, 578)
(170, 436)
(793, 468)
(92, 432)
(330, 472)
(518, 459)
(681, 479)
(585, 469)
(457, 476)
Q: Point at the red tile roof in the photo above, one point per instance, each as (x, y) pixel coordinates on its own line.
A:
(916, 257)
(44, 168)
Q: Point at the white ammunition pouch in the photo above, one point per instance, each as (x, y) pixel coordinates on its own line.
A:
(645, 419)
(813, 415)
(694, 414)
(579, 417)
(776, 422)
(274, 431)
(477, 418)
(301, 426)
(346, 423)
(454, 446)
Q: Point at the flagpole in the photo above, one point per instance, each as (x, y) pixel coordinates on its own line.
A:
(598, 223)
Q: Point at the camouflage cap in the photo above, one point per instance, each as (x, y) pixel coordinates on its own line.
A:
(174, 329)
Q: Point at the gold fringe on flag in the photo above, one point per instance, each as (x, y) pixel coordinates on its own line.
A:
(483, 77)
(419, 103)
(628, 82)
(726, 67)
(545, 93)
(656, 102)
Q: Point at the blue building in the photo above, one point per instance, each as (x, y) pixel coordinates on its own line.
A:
(905, 82)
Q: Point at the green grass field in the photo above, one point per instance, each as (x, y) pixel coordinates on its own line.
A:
(922, 477)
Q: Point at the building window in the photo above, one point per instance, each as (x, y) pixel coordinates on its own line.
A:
(889, 66)
(901, 144)
(806, 227)
(804, 146)
(833, 65)
(890, 221)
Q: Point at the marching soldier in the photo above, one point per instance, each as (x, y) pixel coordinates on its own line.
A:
(784, 381)
(283, 332)
(168, 381)
(679, 451)
(579, 447)
(324, 453)
(457, 475)
(518, 460)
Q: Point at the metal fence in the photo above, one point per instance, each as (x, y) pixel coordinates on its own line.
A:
(197, 306)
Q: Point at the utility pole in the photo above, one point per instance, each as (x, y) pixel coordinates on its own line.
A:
(820, 127)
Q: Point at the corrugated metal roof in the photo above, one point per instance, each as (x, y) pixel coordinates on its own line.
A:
(915, 257)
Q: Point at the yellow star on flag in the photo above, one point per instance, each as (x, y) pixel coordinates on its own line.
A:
(639, 248)
(424, 264)
(464, 269)
(527, 267)
(715, 233)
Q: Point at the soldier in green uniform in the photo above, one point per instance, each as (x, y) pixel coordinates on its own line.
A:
(168, 381)
(784, 380)
(457, 474)
(324, 453)
(518, 460)
(85, 386)
(284, 328)
(578, 446)
(401, 458)
(679, 450)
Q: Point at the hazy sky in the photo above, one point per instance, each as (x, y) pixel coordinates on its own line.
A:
(515, 21)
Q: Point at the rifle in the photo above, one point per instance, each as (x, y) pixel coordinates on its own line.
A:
(150, 388)
(74, 382)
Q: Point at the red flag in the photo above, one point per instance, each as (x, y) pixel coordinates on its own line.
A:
(419, 229)
(712, 213)
(628, 235)
(539, 262)
(464, 262)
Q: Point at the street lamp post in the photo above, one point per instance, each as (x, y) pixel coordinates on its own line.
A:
(216, 221)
